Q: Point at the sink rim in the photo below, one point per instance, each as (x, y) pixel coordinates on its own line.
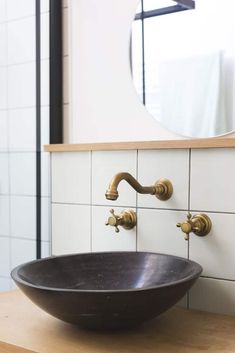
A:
(197, 270)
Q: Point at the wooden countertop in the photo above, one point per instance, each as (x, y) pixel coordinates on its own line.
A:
(24, 328)
(218, 142)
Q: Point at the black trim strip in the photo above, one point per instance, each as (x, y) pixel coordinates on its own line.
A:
(38, 130)
(143, 51)
(159, 12)
(189, 4)
(56, 72)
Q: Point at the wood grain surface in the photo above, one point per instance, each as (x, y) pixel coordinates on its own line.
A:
(143, 145)
(179, 330)
(9, 348)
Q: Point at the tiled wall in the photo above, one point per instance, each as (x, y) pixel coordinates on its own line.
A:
(203, 182)
(18, 134)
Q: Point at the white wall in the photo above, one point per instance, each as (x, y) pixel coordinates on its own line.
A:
(104, 104)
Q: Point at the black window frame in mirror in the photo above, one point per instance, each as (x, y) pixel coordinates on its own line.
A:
(182, 5)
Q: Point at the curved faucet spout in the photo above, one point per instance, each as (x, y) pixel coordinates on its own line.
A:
(162, 189)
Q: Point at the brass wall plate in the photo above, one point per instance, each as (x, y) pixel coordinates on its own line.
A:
(167, 187)
(205, 224)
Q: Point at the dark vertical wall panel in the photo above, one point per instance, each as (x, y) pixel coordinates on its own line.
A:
(38, 130)
(56, 72)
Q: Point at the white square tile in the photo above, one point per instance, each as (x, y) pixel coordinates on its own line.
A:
(157, 232)
(45, 174)
(71, 176)
(4, 256)
(45, 139)
(215, 252)
(45, 35)
(23, 217)
(3, 13)
(211, 171)
(4, 173)
(45, 219)
(66, 92)
(21, 86)
(3, 44)
(17, 9)
(212, 295)
(45, 5)
(4, 215)
(21, 44)
(45, 249)
(3, 88)
(23, 173)
(104, 166)
(171, 164)
(45, 78)
(5, 284)
(65, 32)
(104, 238)
(22, 129)
(71, 231)
(3, 130)
(22, 251)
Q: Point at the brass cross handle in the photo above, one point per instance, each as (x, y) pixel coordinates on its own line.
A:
(127, 219)
(200, 225)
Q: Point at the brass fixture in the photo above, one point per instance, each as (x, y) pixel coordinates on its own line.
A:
(127, 219)
(200, 224)
(162, 189)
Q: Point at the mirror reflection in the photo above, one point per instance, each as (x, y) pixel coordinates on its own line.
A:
(183, 64)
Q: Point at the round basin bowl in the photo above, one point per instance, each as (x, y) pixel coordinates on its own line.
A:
(107, 290)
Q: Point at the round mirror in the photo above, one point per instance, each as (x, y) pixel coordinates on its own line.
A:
(183, 64)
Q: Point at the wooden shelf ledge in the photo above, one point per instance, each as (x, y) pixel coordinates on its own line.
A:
(143, 145)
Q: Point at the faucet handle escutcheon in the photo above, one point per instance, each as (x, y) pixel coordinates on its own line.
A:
(199, 224)
(127, 219)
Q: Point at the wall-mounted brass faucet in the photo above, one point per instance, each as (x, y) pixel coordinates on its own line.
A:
(126, 219)
(162, 189)
(200, 224)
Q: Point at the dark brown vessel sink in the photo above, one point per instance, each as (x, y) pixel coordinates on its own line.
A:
(107, 290)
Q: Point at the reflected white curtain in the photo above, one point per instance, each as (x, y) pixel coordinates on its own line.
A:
(192, 96)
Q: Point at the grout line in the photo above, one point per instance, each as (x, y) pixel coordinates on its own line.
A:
(137, 199)
(216, 212)
(17, 19)
(19, 151)
(139, 207)
(189, 180)
(189, 201)
(24, 107)
(20, 195)
(110, 205)
(91, 209)
(19, 238)
(50, 207)
(32, 61)
(9, 166)
(218, 279)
